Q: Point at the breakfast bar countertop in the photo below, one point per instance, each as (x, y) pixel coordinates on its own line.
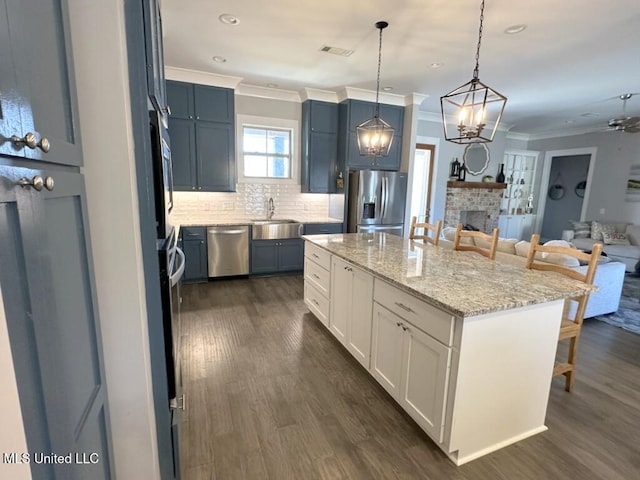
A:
(462, 283)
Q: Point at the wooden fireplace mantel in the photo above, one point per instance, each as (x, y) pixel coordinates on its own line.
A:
(487, 185)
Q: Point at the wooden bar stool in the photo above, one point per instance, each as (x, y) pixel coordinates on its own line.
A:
(426, 228)
(491, 240)
(570, 327)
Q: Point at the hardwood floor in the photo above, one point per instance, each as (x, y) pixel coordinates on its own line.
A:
(272, 395)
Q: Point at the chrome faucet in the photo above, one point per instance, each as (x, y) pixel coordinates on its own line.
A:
(271, 208)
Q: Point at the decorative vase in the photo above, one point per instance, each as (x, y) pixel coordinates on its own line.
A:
(462, 174)
(500, 176)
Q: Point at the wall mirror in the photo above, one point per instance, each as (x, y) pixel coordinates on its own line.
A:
(476, 158)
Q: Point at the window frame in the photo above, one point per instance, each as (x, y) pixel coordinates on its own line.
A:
(267, 123)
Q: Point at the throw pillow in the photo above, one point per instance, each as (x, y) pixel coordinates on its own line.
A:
(522, 249)
(505, 245)
(449, 233)
(615, 238)
(560, 258)
(581, 229)
(597, 229)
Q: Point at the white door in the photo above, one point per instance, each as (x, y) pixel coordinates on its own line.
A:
(359, 322)
(386, 354)
(340, 298)
(425, 378)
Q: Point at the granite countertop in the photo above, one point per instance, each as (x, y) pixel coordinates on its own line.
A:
(462, 283)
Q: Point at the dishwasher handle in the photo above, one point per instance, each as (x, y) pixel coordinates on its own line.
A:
(227, 231)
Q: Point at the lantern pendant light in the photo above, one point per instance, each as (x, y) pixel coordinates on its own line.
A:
(475, 107)
(375, 135)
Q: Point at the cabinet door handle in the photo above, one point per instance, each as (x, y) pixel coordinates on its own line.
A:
(166, 109)
(316, 276)
(404, 307)
(49, 183)
(398, 324)
(44, 144)
(315, 301)
(36, 182)
(28, 140)
(314, 255)
(406, 329)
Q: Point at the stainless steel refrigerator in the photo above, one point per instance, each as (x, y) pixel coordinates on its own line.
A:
(376, 201)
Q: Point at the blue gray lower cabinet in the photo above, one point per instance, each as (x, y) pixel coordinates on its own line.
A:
(273, 256)
(322, 228)
(194, 246)
(49, 297)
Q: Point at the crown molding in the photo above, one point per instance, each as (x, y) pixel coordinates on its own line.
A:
(354, 93)
(267, 92)
(518, 136)
(317, 94)
(202, 78)
(415, 99)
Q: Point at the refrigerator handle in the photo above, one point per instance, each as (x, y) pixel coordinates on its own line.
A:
(382, 199)
(385, 196)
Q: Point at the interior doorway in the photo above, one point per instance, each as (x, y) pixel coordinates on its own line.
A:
(421, 179)
(565, 194)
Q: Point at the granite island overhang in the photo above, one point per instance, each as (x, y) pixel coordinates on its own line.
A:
(464, 344)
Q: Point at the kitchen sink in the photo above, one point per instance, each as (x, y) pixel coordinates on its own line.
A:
(275, 229)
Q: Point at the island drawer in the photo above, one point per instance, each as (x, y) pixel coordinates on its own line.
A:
(317, 303)
(427, 318)
(318, 276)
(318, 255)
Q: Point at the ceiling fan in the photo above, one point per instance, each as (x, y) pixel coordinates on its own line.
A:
(624, 123)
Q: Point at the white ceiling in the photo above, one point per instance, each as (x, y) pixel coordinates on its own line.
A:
(575, 57)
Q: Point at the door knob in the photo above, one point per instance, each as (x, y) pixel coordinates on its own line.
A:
(49, 183)
(44, 144)
(29, 140)
(36, 182)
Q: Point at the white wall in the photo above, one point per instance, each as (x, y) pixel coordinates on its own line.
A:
(99, 48)
(616, 152)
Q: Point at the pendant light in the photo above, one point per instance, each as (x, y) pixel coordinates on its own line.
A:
(375, 135)
(474, 106)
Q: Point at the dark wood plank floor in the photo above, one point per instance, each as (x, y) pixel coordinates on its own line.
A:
(272, 395)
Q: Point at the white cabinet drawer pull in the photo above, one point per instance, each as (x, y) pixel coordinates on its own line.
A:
(314, 255)
(316, 276)
(404, 307)
(315, 301)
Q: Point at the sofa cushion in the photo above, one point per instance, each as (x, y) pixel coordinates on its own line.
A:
(506, 245)
(633, 233)
(449, 233)
(615, 238)
(522, 250)
(597, 229)
(627, 251)
(581, 229)
(584, 243)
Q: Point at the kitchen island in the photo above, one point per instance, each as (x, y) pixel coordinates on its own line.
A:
(464, 344)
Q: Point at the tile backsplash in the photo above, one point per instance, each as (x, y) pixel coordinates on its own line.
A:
(250, 201)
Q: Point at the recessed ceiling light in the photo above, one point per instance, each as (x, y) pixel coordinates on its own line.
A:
(272, 85)
(219, 59)
(569, 121)
(513, 29)
(387, 89)
(229, 19)
(436, 65)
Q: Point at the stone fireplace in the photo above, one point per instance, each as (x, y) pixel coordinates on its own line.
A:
(473, 203)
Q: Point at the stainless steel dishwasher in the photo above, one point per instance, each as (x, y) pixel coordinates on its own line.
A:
(228, 250)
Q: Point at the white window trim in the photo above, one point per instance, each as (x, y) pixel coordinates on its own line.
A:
(268, 122)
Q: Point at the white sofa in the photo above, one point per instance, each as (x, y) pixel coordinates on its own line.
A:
(627, 254)
(609, 275)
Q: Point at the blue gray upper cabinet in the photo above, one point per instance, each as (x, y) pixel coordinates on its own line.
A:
(202, 130)
(154, 53)
(44, 105)
(351, 114)
(319, 147)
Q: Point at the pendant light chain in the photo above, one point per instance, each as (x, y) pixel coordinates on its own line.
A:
(378, 78)
(476, 70)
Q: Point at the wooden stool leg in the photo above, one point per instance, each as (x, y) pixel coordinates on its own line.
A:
(573, 355)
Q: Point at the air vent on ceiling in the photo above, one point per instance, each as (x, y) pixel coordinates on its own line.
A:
(343, 52)
(589, 115)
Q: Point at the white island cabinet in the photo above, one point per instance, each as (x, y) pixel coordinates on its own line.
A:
(469, 360)
(351, 306)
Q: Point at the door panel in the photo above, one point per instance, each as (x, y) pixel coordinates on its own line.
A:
(386, 354)
(183, 155)
(322, 162)
(52, 318)
(215, 146)
(340, 299)
(359, 337)
(214, 104)
(425, 378)
(10, 123)
(180, 98)
(40, 43)
(290, 255)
